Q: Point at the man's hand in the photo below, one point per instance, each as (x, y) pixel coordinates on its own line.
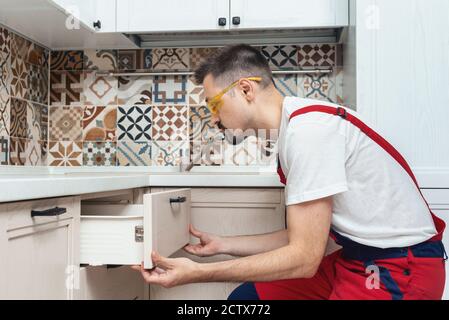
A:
(169, 272)
(209, 244)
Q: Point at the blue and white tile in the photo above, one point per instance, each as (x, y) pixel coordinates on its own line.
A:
(170, 90)
(318, 86)
(281, 57)
(134, 123)
(169, 153)
(134, 153)
(96, 153)
(286, 84)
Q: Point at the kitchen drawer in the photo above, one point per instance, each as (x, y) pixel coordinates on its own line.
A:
(234, 195)
(125, 234)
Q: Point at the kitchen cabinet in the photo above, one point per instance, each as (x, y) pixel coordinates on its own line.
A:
(261, 14)
(126, 234)
(90, 12)
(227, 212)
(39, 255)
(171, 15)
(396, 76)
(140, 16)
(49, 23)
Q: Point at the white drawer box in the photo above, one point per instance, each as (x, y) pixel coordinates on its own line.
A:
(125, 234)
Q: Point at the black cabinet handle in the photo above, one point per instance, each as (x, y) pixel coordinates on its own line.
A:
(48, 213)
(97, 24)
(178, 200)
(221, 22)
(235, 21)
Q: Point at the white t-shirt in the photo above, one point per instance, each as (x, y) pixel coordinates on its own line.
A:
(375, 202)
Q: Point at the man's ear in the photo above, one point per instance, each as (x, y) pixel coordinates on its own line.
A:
(247, 89)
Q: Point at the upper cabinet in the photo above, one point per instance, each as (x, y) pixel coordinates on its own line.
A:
(138, 16)
(261, 14)
(172, 15)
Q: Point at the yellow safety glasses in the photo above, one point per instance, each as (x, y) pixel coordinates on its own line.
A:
(216, 102)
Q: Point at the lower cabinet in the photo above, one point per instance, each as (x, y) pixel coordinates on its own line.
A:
(39, 254)
(227, 212)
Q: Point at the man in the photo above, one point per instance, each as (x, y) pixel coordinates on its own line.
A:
(341, 178)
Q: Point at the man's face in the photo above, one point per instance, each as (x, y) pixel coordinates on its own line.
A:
(234, 112)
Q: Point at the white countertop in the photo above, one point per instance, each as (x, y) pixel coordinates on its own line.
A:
(35, 183)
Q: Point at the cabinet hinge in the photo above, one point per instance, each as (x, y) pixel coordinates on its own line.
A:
(138, 234)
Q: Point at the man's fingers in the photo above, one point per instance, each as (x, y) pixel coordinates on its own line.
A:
(159, 260)
(195, 232)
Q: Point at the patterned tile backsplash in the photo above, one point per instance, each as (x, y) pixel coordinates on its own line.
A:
(55, 110)
(24, 92)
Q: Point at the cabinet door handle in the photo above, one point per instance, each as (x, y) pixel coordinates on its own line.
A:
(48, 213)
(178, 200)
(235, 21)
(222, 22)
(97, 24)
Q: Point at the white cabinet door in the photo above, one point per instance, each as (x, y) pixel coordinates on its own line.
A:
(171, 15)
(258, 14)
(83, 10)
(125, 234)
(39, 255)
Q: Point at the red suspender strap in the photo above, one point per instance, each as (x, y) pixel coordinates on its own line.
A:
(341, 112)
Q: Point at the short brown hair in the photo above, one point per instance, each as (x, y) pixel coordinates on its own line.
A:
(231, 63)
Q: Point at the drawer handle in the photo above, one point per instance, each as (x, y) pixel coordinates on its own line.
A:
(178, 200)
(49, 212)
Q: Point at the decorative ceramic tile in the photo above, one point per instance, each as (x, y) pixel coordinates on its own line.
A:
(4, 149)
(36, 55)
(33, 153)
(65, 154)
(37, 87)
(317, 86)
(97, 153)
(20, 47)
(99, 123)
(318, 55)
(134, 123)
(5, 73)
(207, 154)
(170, 90)
(169, 153)
(5, 40)
(65, 124)
(340, 99)
(100, 90)
(243, 154)
(135, 90)
(281, 57)
(286, 84)
(67, 60)
(195, 92)
(200, 127)
(171, 59)
(103, 60)
(132, 153)
(5, 115)
(17, 151)
(135, 59)
(19, 81)
(37, 121)
(198, 55)
(18, 122)
(170, 123)
(66, 88)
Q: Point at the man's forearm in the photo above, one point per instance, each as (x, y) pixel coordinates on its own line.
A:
(243, 246)
(284, 263)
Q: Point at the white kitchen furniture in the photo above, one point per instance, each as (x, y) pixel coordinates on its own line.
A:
(40, 253)
(141, 16)
(126, 234)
